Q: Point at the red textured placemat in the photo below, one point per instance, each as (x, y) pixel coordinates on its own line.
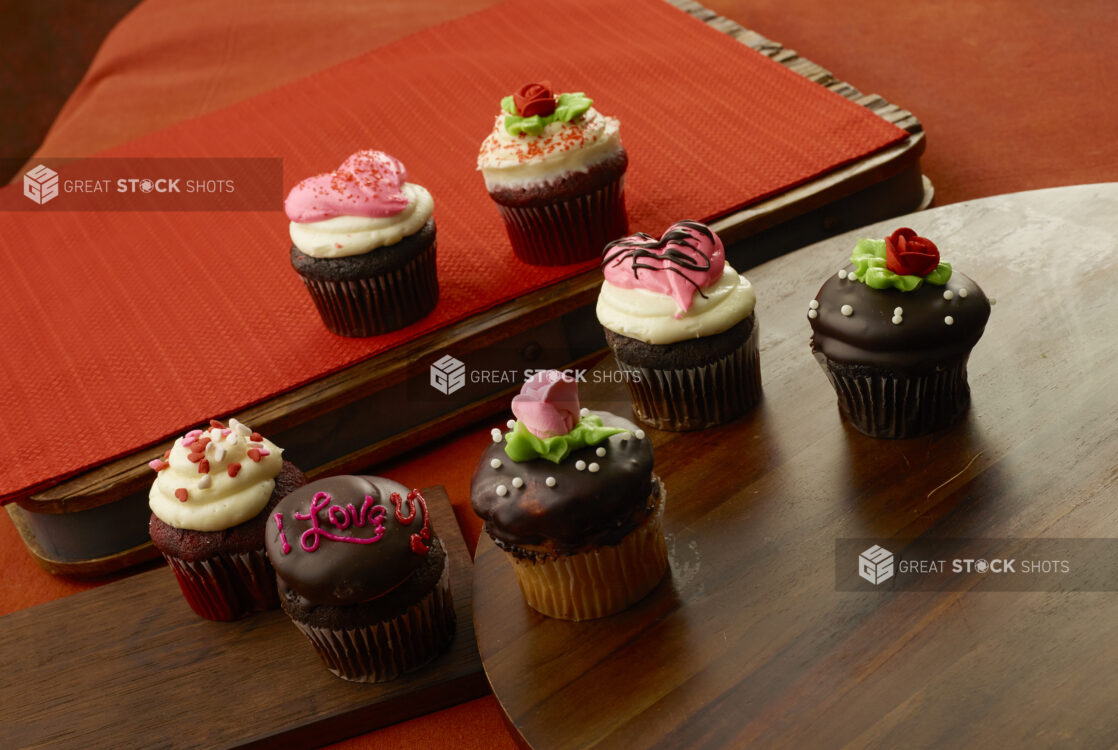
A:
(120, 329)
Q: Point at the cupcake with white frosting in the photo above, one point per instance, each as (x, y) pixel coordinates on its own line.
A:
(363, 241)
(681, 324)
(555, 167)
(209, 504)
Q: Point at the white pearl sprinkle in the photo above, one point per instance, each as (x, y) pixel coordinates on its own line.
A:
(814, 304)
(993, 301)
(842, 273)
(583, 411)
(949, 320)
(962, 291)
(639, 434)
(897, 320)
(502, 490)
(593, 468)
(948, 294)
(205, 482)
(550, 481)
(517, 482)
(580, 465)
(495, 463)
(495, 434)
(898, 311)
(813, 314)
(846, 310)
(600, 453)
(511, 424)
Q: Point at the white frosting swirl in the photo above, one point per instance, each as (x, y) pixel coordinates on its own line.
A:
(650, 317)
(563, 147)
(342, 236)
(215, 500)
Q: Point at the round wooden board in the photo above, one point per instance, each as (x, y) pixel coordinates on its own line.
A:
(751, 642)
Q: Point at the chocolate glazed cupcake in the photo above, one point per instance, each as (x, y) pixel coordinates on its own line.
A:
(893, 333)
(364, 245)
(570, 496)
(363, 576)
(555, 168)
(209, 502)
(681, 325)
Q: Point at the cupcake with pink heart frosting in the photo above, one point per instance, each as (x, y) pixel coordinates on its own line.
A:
(363, 242)
(570, 495)
(681, 323)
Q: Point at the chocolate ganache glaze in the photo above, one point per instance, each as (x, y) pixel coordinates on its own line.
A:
(348, 539)
(857, 324)
(594, 496)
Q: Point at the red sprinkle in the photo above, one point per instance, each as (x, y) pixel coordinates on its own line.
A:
(196, 457)
(233, 469)
(181, 494)
(202, 443)
(255, 437)
(254, 454)
(216, 425)
(203, 466)
(166, 455)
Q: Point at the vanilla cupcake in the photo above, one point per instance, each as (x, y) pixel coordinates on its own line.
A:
(681, 324)
(364, 245)
(571, 497)
(555, 167)
(209, 503)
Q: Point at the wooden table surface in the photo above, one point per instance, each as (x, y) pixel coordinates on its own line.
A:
(751, 642)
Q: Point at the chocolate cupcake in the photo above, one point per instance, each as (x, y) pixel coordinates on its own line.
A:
(210, 501)
(893, 332)
(571, 497)
(681, 324)
(364, 245)
(362, 574)
(555, 168)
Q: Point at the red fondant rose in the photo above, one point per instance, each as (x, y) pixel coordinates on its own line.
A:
(906, 254)
(534, 99)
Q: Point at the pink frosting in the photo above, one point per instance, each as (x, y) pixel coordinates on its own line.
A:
(548, 404)
(687, 259)
(367, 184)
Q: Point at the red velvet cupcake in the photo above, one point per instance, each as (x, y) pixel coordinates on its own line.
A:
(210, 500)
(555, 168)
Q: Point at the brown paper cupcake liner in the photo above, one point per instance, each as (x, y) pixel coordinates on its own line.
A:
(387, 649)
(570, 231)
(695, 398)
(381, 303)
(227, 587)
(597, 582)
(885, 404)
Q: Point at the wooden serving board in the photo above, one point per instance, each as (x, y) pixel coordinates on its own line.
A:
(130, 665)
(752, 641)
(348, 420)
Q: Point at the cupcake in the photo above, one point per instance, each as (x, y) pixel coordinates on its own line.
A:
(893, 332)
(555, 168)
(364, 245)
(570, 496)
(681, 325)
(211, 497)
(362, 575)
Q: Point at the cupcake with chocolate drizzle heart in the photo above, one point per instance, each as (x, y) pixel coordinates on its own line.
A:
(555, 167)
(364, 245)
(893, 332)
(681, 324)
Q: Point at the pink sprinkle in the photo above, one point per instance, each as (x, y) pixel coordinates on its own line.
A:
(181, 494)
(155, 464)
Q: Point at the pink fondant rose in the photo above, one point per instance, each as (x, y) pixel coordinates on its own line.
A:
(368, 183)
(907, 254)
(534, 99)
(548, 404)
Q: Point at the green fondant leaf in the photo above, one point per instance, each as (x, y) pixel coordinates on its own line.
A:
(939, 276)
(533, 125)
(508, 105)
(522, 445)
(570, 106)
